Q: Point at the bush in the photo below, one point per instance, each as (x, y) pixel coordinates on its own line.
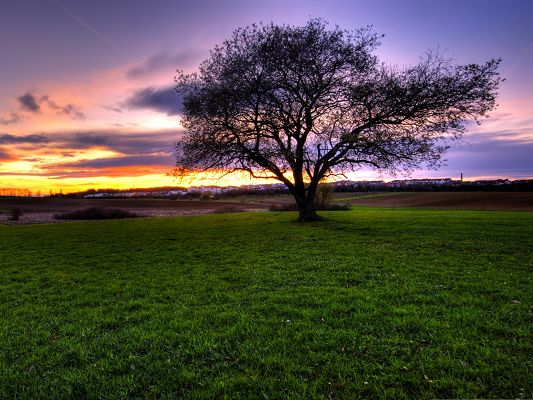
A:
(207, 195)
(97, 213)
(324, 192)
(15, 214)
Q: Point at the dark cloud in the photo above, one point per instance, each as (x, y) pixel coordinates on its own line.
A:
(85, 140)
(164, 100)
(13, 118)
(125, 161)
(6, 138)
(4, 155)
(113, 108)
(496, 157)
(123, 142)
(161, 61)
(29, 102)
(138, 143)
(74, 110)
(68, 109)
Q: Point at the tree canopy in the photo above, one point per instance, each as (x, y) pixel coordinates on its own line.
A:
(301, 103)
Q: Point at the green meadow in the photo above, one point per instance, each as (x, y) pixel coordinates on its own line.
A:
(369, 303)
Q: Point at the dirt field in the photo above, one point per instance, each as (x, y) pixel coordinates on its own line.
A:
(493, 201)
(58, 204)
(42, 210)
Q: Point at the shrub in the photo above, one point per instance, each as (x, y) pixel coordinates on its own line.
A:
(15, 214)
(207, 195)
(323, 194)
(97, 213)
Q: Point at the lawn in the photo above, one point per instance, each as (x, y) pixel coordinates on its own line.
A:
(370, 303)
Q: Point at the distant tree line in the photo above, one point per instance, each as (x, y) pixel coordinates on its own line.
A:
(149, 192)
(474, 186)
(452, 186)
(16, 192)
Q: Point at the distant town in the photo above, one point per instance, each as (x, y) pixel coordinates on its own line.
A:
(401, 185)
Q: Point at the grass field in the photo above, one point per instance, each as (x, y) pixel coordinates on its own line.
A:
(371, 303)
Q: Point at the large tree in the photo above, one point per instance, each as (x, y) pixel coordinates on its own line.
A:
(298, 104)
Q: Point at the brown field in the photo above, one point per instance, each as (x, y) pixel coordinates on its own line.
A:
(64, 204)
(486, 201)
(42, 210)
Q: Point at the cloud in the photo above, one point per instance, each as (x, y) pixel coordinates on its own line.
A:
(113, 108)
(518, 135)
(74, 110)
(164, 100)
(106, 172)
(6, 138)
(84, 140)
(136, 143)
(161, 61)
(493, 158)
(28, 102)
(116, 140)
(5, 156)
(132, 165)
(13, 118)
(136, 153)
(68, 109)
(125, 161)
(140, 152)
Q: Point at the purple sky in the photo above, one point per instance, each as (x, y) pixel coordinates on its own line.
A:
(85, 97)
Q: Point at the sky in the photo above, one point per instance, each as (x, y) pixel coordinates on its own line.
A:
(86, 96)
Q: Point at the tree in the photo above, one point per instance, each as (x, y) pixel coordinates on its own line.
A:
(207, 195)
(300, 104)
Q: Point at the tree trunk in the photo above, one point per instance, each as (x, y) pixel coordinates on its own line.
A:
(306, 209)
(308, 214)
(305, 200)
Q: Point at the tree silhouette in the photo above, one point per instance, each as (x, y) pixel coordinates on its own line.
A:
(298, 104)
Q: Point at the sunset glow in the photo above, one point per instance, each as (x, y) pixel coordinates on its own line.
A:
(87, 96)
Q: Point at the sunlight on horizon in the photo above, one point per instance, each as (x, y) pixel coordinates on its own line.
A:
(76, 184)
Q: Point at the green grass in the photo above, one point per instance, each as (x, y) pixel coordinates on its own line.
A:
(371, 303)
